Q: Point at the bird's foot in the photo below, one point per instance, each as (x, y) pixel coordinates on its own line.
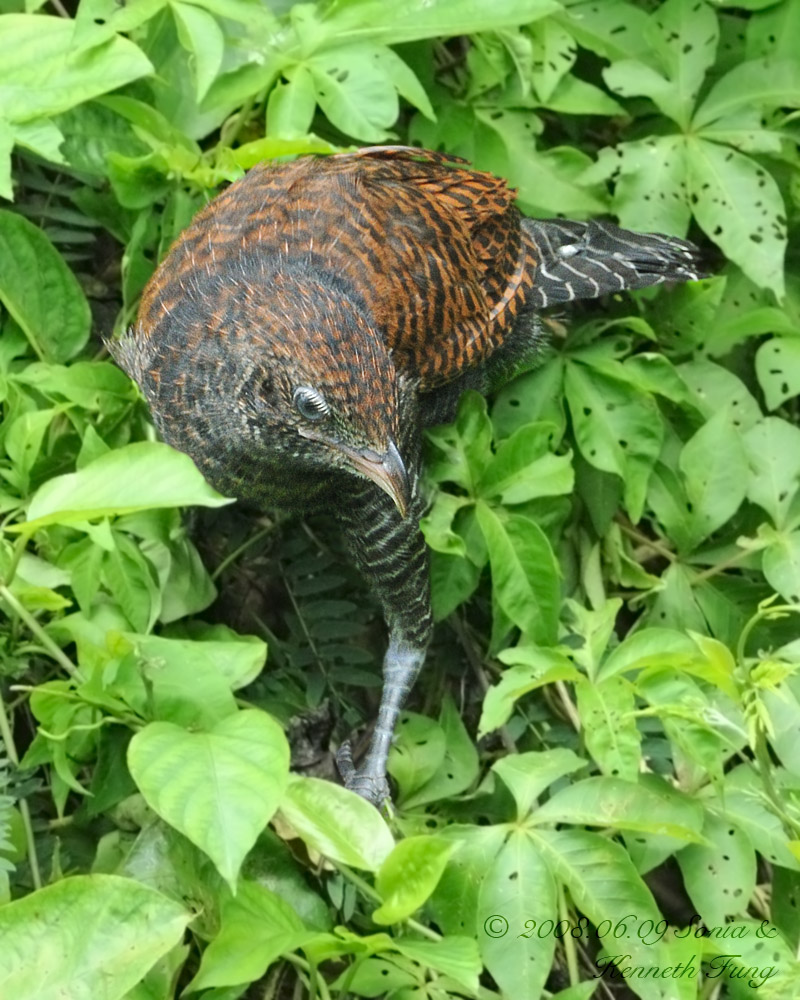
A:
(367, 781)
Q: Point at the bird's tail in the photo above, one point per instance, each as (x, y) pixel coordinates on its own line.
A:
(581, 260)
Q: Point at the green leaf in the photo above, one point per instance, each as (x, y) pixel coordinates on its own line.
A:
(649, 193)
(354, 91)
(719, 877)
(714, 468)
(44, 73)
(257, 927)
(6, 145)
(518, 885)
(523, 467)
(417, 753)
(200, 34)
(739, 206)
(410, 20)
(618, 428)
(781, 564)
(531, 669)
(218, 788)
(772, 447)
(607, 711)
(525, 574)
(85, 937)
(456, 957)
(291, 105)
(337, 823)
(409, 875)
(463, 448)
(39, 290)
(458, 770)
(778, 369)
(527, 775)
(554, 54)
(136, 477)
(765, 84)
(624, 805)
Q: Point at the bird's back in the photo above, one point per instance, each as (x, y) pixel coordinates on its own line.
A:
(435, 252)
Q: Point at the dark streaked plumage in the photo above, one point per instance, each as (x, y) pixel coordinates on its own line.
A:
(318, 313)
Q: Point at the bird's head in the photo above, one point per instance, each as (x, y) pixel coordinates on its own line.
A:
(282, 377)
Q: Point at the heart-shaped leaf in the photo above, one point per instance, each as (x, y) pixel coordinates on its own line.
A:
(218, 788)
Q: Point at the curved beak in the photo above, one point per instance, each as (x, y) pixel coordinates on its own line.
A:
(386, 471)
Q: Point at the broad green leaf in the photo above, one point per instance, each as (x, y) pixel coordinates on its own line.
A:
(781, 564)
(136, 477)
(518, 887)
(459, 768)
(409, 875)
(715, 389)
(354, 91)
(649, 193)
(337, 823)
(92, 385)
(453, 956)
(454, 903)
(218, 788)
(534, 396)
(541, 666)
(607, 711)
(437, 525)
(618, 428)
(201, 35)
(625, 805)
(404, 80)
(739, 206)
(43, 73)
(463, 448)
(614, 29)
(527, 775)
(685, 39)
(417, 753)
(410, 20)
(38, 289)
(772, 447)
(257, 927)
(130, 578)
(86, 937)
(647, 648)
(604, 885)
(291, 105)
(762, 83)
(6, 145)
(721, 876)
(525, 574)
(715, 471)
(554, 53)
(778, 369)
(524, 467)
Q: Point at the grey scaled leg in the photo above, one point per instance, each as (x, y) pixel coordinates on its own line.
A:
(391, 553)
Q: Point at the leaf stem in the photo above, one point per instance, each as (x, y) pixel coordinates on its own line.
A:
(55, 651)
(11, 749)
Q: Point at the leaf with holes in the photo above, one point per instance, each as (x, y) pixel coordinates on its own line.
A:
(720, 876)
(355, 91)
(715, 472)
(773, 452)
(85, 937)
(739, 206)
(778, 369)
(607, 714)
(618, 428)
(218, 788)
(517, 885)
(781, 564)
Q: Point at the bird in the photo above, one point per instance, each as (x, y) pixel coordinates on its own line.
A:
(319, 313)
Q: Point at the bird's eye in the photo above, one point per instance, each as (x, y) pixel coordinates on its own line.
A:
(310, 404)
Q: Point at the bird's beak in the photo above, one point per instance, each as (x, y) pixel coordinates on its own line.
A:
(386, 471)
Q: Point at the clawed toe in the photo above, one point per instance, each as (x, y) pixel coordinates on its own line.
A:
(364, 781)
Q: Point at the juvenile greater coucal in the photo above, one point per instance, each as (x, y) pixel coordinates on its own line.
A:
(317, 314)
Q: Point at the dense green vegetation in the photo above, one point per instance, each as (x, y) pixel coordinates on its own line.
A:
(605, 741)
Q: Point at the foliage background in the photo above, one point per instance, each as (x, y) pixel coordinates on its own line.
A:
(615, 537)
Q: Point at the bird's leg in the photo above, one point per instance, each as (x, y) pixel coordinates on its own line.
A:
(391, 553)
(401, 665)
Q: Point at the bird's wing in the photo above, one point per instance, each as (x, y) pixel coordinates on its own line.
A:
(445, 248)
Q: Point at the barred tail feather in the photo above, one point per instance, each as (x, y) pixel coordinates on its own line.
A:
(581, 260)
